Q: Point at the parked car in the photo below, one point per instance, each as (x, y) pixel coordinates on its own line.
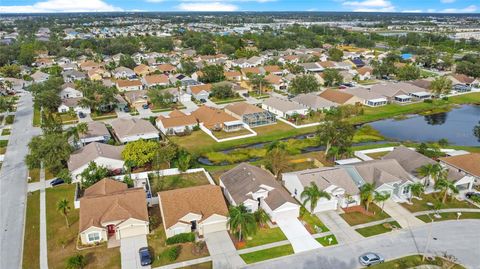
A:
(472, 194)
(203, 101)
(126, 109)
(145, 258)
(145, 106)
(57, 181)
(370, 258)
(81, 115)
(342, 87)
(246, 94)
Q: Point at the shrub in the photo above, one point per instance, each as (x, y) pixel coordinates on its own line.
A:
(172, 253)
(9, 119)
(3, 143)
(181, 238)
(428, 101)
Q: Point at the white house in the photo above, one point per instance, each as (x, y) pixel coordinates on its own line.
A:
(284, 107)
(129, 130)
(97, 132)
(73, 104)
(176, 122)
(69, 91)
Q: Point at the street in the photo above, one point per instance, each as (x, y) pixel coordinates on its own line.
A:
(458, 238)
(13, 185)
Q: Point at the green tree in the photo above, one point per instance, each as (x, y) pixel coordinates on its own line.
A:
(160, 98)
(188, 67)
(212, 73)
(11, 70)
(367, 194)
(261, 217)
(206, 49)
(241, 222)
(441, 86)
(27, 54)
(336, 133)
(76, 131)
(430, 171)
(446, 187)
(222, 92)
(49, 100)
(416, 189)
(6, 104)
(383, 69)
(65, 175)
(127, 61)
(63, 206)
(276, 161)
(51, 123)
(332, 77)
(92, 174)
(51, 149)
(381, 197)
(312, 194)
(184, 161)
(304, 84)
(77, 261)
(257, 82)
(140, 152)
(335, 54)
(408, 72)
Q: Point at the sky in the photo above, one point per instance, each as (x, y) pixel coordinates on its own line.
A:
(55, 6)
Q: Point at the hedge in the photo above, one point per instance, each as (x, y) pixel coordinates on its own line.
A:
(181, 238)
(172, 253)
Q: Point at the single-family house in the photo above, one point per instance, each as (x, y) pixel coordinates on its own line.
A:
(39, 77)
(123, 72)
(89, 65)
(365, 73)
(216, 119)
(167, 68)
(109, 209)
(155, 80)
(73, 104)
(233, 75)
(313, 101)
(102, 154)
(199, 209)
(250, 114)
(336, 181)
(73, 75)
(248, 71)
(129, 85)
(368, 97)
(129, 130)
(257, 188)
(137, 99)
(200, 92)
(143, 70)
(468, 165)
(283, 107)
(176, 122)
(312, 67)
(96, 132)
(69, 91)
(340, 97)
(277, 82)
(98, 74)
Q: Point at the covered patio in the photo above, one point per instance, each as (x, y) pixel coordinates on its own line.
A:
(403, 98)
(377, 102)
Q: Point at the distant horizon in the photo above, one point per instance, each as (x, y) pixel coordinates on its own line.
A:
(237, 12)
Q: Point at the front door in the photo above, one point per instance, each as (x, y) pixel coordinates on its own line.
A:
(111, 229)
(194, 225)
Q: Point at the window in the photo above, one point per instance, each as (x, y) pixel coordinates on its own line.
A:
(92, 237)
(405, 190)
(295, 192)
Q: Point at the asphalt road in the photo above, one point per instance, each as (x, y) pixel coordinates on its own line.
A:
(458, 238)
(13, 185)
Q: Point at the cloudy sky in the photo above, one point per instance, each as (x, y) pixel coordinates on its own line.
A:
(443, 6)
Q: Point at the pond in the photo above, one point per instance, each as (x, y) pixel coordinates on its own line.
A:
(456, 126)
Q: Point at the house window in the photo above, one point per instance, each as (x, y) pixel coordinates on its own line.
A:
(295, 192)
(92, 237)
(405, 190)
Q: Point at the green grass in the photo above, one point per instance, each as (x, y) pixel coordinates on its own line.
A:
(166, 183)
(324, 241)
(103, 116)
(6, 131)
(367, 133)
(378, 229)
(3, 146)
(163, 109)
(267, 254)
(31, 240)
(265, 236)
(222, 134)
(205, 265)
(34, 175)
(36, 116)
(413, 261)
(355, 218)
(450, 216)
(226, 101)
(68, 118)
(10, 119)
(434, 198)
(312, 221)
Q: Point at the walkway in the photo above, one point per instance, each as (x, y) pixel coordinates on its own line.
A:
(129, 247)
(43, 223)
(404, 217)
(298, 236)
(339, 227)
(222, 251)
(13, 185)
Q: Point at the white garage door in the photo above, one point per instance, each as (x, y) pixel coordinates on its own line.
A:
(325, 206)
(287, 213)
(214, 227)
(132, 231)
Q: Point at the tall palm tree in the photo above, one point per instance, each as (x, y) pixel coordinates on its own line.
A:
(261, 217)
(76, 131)
(63, 206)
(241, 221)
(432, 171)
(312, 194)
(367, 194)
(381, 197)
(416, 189)
(276, 160)
(446, 186)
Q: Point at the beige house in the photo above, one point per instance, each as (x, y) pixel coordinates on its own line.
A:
(340, 97)
(108, 209)
(200, 209)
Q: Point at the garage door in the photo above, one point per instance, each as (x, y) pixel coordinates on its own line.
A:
(132, 231)
(327, 205)
(214, 227)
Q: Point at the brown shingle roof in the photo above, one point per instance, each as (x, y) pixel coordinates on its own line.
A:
(198, 88)
(128, 83)
(156, 79)
(336, 96)
(166, 67)
(104, 187)
(203, 200)
(212, 117)
(243, 108)
(95, 129)
(230, 74)
(469, 163)
(177, 118)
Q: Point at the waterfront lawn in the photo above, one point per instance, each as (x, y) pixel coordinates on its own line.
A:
(377, 155)
(264, 236)
(378, 229)
(324, 241)
(435, 198)
(61, 240)
(450, 216)
(185, 180)
(157, 245)
(267, 254)
(222, 134)
(31, 240)
(367, 133)
(355, 218)
(413, 261)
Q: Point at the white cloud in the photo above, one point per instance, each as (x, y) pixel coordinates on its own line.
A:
(412, 11)
(206, 6)
(370, 6)
(431, 10)
(469, 9)
(154, 1)
(447, 1)
(61, 6)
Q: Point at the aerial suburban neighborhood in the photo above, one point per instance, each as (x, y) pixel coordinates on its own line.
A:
(203, 134)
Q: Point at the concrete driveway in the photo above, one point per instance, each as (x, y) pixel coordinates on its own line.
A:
(190, 106)
(298, 236)
(339, 227)
(129, 250)
(223, 252)
(404, 217)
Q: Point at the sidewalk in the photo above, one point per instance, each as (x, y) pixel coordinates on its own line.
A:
(43, 223)
(339, 227)
(404, 217)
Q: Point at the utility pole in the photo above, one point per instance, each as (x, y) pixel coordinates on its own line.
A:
(428, 238)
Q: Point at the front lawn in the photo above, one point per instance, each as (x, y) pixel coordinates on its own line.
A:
(10, 119)
(222, 134)
(378, 229)
(34, 174)
(156, 242)
(205, 265)
(450, 216)
(68, 118)
(165, 183)
(355, 218)
(61, 240)
(6, 131)
(434, 198)
(267, 254)
(265, 236)
(313, 222)
(3, 146)
(413, 261)
(37, 116)
(103, 116)
(31, 240)
(325, 241)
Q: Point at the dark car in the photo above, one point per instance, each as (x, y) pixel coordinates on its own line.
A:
(126, 109)
(145, 258)
(370, 258)
(472, 194)
(56, 182)
(145, 106)
(203, 101)
(246, 94)
(81, 115)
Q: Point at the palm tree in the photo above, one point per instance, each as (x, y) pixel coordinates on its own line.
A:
(381, 197)
(257, 82)
(261, 217)
(416, 189)
(446, 186)
(241, 221)
(367, 194)
(63, 207)
(312, 194)
(276, 160)
(76, 262)
(76, 131)
(429, 170)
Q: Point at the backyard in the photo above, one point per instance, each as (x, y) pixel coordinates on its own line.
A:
(429, 201)
(160, 250)
(165, 183)
(61, 240)
(31, 239)
(222, 134)
(355, 218)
